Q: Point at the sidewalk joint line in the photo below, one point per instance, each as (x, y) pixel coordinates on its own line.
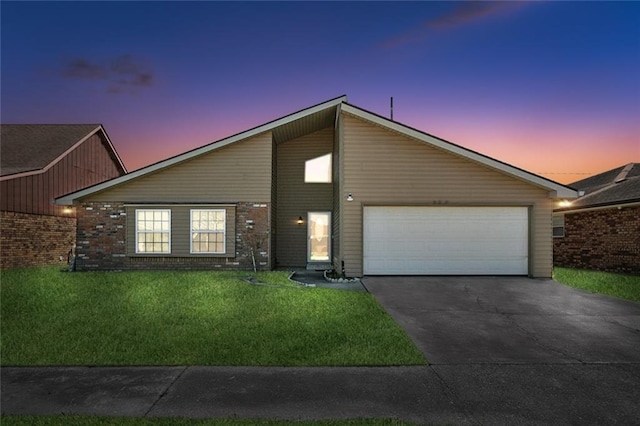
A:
(164, 392)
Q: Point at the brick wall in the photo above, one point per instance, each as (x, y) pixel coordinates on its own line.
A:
(604, 240)
(101, 242)
(34, 240)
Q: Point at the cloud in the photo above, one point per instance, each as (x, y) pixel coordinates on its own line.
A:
(121, 74)
(82, 68)
(464, 13)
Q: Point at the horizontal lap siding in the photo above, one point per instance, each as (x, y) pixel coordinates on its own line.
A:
(295, 197)
(384, 167)
(237, 172)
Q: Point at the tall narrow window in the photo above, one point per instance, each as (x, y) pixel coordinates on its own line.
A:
(208, 229)
(153, 231)
(318, 170)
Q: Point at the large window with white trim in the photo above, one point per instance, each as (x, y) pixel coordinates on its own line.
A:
(153, 231)
(208, 230)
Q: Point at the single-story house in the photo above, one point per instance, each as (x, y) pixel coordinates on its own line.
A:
(601, 229)
(40, 162)
(330, 186)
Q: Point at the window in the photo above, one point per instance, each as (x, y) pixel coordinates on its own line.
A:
(153, 231)
(558, 226)
(318, 170)
(208, 231)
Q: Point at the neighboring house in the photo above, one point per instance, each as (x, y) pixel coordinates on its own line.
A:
(39, 163)
(332, 185)
(601, 230)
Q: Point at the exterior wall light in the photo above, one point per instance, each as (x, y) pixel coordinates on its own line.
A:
(300, 221)
(349, 197)
(564, 203)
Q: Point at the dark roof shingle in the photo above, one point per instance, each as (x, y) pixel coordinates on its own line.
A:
(602, 189)
(29, 147)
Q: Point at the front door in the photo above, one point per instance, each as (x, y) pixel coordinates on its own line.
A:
(319, 236)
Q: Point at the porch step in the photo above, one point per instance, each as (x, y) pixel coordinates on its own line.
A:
(319, 266)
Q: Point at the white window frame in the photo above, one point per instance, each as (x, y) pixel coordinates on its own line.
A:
(138, 231)
(311, 179)
(223, 232)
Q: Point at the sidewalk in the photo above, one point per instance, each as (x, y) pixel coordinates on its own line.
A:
(488, 394)
(408, 393)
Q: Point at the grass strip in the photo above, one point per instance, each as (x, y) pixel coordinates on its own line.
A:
(618, 285)
(51, 317)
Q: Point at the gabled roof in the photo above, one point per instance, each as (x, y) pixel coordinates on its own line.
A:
(34, 148)
(556, 189)
(613, 187)
(315, 118)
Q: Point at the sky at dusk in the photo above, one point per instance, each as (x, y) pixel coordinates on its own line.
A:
(551, 87)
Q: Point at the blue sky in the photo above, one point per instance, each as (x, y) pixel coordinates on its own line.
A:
(552, 87)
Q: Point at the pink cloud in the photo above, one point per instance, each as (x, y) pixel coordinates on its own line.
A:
(464, 13)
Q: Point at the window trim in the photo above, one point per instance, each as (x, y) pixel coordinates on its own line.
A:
(224, 232)
(138, 232)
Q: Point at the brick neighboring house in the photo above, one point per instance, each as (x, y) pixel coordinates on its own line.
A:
(38, 163)
(601, 230)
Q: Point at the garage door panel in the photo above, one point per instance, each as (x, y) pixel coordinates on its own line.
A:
(445, 240)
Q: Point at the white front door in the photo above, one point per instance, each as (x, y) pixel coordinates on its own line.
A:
(319, 236)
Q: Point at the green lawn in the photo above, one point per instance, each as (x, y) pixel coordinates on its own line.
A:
(129, 421)
(619, 285)
(51, 317)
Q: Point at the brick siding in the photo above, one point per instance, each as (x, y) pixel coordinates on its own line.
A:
(101, 242)
(604, 240)
(28, 240)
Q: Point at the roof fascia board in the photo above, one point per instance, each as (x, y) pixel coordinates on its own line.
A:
(68, 199)
(617, 206)
(614, 205)
(65, 153)
(113, 149)
(556, 190)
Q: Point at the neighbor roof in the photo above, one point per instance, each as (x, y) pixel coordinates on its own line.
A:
(318, 117)
(31, 148)
(616, 186)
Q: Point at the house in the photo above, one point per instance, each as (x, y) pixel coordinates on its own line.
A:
(330, 186)
(39, 163)
(601, 230)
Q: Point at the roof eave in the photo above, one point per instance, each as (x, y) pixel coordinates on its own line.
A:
(69, 199)
(59, 158)
(609, 205)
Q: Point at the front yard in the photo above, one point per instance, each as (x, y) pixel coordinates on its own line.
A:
(618, 285)
(190, 318)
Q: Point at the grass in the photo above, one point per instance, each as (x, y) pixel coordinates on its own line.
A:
(618, 285)
(49, 317)
(129, 421)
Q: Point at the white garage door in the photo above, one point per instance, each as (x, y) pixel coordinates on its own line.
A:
(446, 240)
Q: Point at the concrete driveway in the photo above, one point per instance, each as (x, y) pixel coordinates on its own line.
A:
(523, 350)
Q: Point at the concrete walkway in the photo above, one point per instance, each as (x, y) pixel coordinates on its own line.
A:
(502, 351)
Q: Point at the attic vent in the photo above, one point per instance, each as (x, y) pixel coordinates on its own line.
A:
(623, 174)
